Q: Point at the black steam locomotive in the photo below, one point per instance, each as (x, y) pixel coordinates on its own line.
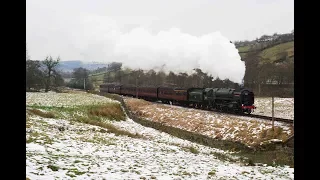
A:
(223, 99)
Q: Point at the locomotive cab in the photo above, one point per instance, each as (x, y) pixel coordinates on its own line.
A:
(247, 101)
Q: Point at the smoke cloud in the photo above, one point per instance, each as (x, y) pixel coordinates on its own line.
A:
(179, 52)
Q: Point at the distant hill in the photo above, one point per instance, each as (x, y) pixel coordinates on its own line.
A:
(272, 54)
(269, 64)
(269, 48)
(69, 65)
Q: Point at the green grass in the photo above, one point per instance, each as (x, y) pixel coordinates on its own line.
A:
(75, 171)
(100, 140)
(274, 53)
(110, 128)
(111, 111)
(35, 136)
(97, 115)
(223, 157)
(271, 54)
(211, 173)
(53, 168)
(243, 49)
(194, 150)
(42, 114)
(271, 158)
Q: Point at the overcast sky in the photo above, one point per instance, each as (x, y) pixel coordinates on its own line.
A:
(69, 27)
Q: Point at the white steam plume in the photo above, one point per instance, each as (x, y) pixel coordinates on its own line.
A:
(180, 52)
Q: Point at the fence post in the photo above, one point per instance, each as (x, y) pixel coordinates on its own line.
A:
(273, 113)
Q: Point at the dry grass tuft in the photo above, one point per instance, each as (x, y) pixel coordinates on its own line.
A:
(28, 125)
(41, 113)
(135, 104)
(111, 128)
(269, 133)
(110, 111)
(218, 135)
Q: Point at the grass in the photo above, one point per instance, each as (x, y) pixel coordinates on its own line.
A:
(75, 171)
(191, 149)
(53, 168)
(137, 103)
(276, 133)
(243, 49)
(93, 114)
(98, 139)
(243, 130)
(272, 54)
(271, 158)
(222, 157)
(35, 136)
(211, 173)
(110, 111)
(110, 128)
(111, 96)
(41, 113)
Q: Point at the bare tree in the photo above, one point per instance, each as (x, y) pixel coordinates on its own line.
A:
(34, 75)
(50, 65)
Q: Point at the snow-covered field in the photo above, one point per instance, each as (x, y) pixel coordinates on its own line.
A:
(250, 131)
(65, 99)
(283, 107)
(64, 149)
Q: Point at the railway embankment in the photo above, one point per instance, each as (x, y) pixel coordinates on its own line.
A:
(270, 146)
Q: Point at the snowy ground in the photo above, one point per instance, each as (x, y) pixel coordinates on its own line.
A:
(283, 107)
(250, 131)
(65, 99)
(65, 149)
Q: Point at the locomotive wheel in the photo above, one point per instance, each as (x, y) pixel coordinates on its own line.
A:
(248, 111)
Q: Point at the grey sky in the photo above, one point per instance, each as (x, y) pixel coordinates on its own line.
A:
(67, 27)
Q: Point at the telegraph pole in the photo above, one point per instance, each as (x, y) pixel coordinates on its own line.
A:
(84, 83)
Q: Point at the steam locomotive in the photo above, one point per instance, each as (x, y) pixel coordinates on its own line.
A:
(223, 99)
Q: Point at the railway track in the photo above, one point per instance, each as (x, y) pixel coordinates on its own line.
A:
(254, 116)
(290, 121)
(270, 118)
